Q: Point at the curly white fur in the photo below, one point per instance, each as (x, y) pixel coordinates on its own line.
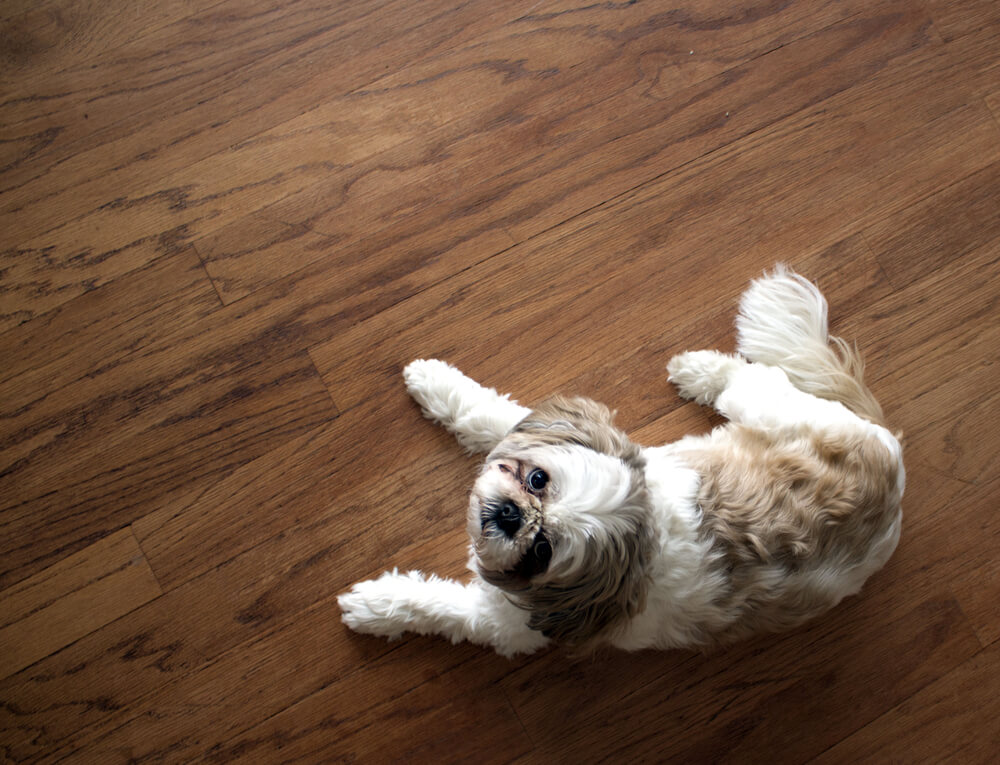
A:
(478, 416)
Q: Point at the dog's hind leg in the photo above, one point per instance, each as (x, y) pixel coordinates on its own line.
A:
(798, 374)
(479, 417)
(703, 375)
(752, 394)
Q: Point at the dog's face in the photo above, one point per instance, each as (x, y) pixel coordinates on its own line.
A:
(559, 519)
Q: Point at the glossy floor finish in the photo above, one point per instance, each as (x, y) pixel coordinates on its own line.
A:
(226, 225)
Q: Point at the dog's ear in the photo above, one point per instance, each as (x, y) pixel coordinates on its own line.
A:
(608, 590)
(577, 420)
(605, 588)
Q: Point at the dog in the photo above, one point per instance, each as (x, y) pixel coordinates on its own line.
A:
(583, 538)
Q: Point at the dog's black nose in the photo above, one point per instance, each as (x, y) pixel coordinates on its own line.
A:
(508, 518)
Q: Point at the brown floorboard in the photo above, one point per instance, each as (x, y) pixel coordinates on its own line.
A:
(226, 226)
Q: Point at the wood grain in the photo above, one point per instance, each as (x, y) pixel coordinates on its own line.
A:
(79, 594)
(104, 172)
(225, 226)
(941, 542)
(313, 480)
(298, 544)
(476, 724)
(108, 323)
(45, 37)
(740, 179)
(940, 229)
(701, 713)
(106, 438)
(402, 689)
(957, 19)
(952, 720)
(942, 366)
(636, 132)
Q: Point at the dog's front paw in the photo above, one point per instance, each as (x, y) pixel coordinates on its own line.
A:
(370, 607)
(702, 375)
(434, 384)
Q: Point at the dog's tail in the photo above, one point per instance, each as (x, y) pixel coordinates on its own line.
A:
(782, 322)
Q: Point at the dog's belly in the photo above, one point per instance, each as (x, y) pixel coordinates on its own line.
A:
(700, 595)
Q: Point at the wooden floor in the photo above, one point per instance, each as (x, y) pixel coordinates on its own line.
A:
(225, 227)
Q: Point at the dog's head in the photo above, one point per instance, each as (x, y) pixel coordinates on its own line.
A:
(559, 519)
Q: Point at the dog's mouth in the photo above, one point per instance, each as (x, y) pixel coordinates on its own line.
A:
(510, 536)
(536, 559)
(516, 569)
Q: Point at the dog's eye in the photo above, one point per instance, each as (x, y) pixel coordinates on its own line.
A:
(538, 479)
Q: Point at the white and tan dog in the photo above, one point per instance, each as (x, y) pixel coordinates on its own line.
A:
(581, 536)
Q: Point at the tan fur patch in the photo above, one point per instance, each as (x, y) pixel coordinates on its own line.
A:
(791, 504)
(577, 420)
(846, 383)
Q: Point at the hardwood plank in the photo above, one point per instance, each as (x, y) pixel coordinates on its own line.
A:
(72, 598)
(273, 670)
(36, 283)
(334, 530)
(957, 540)
(111, 219)
(635, 135)
(199, 531)
(760, 698)
(963, 315)
(200, 536)
(945, 226)
(632, 379)
(709, 206)
(930, 346)
(317, 663)
(314, 735)
(215, 43)
(15, 8)
(107, 323)
(93, 683)
(120, 441)
(198, 198)
(384, 267)
(313, 479)
(951, 720)
(144, 642)
(453, 716)
(413, 689)
(427, 426)
(353, 45)
(857, 59)
(198, 201)
(953, 414)
(359, 43)
(993, 101)
(956, 18)
(258, 168)
(88, 691)
(45, 38)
